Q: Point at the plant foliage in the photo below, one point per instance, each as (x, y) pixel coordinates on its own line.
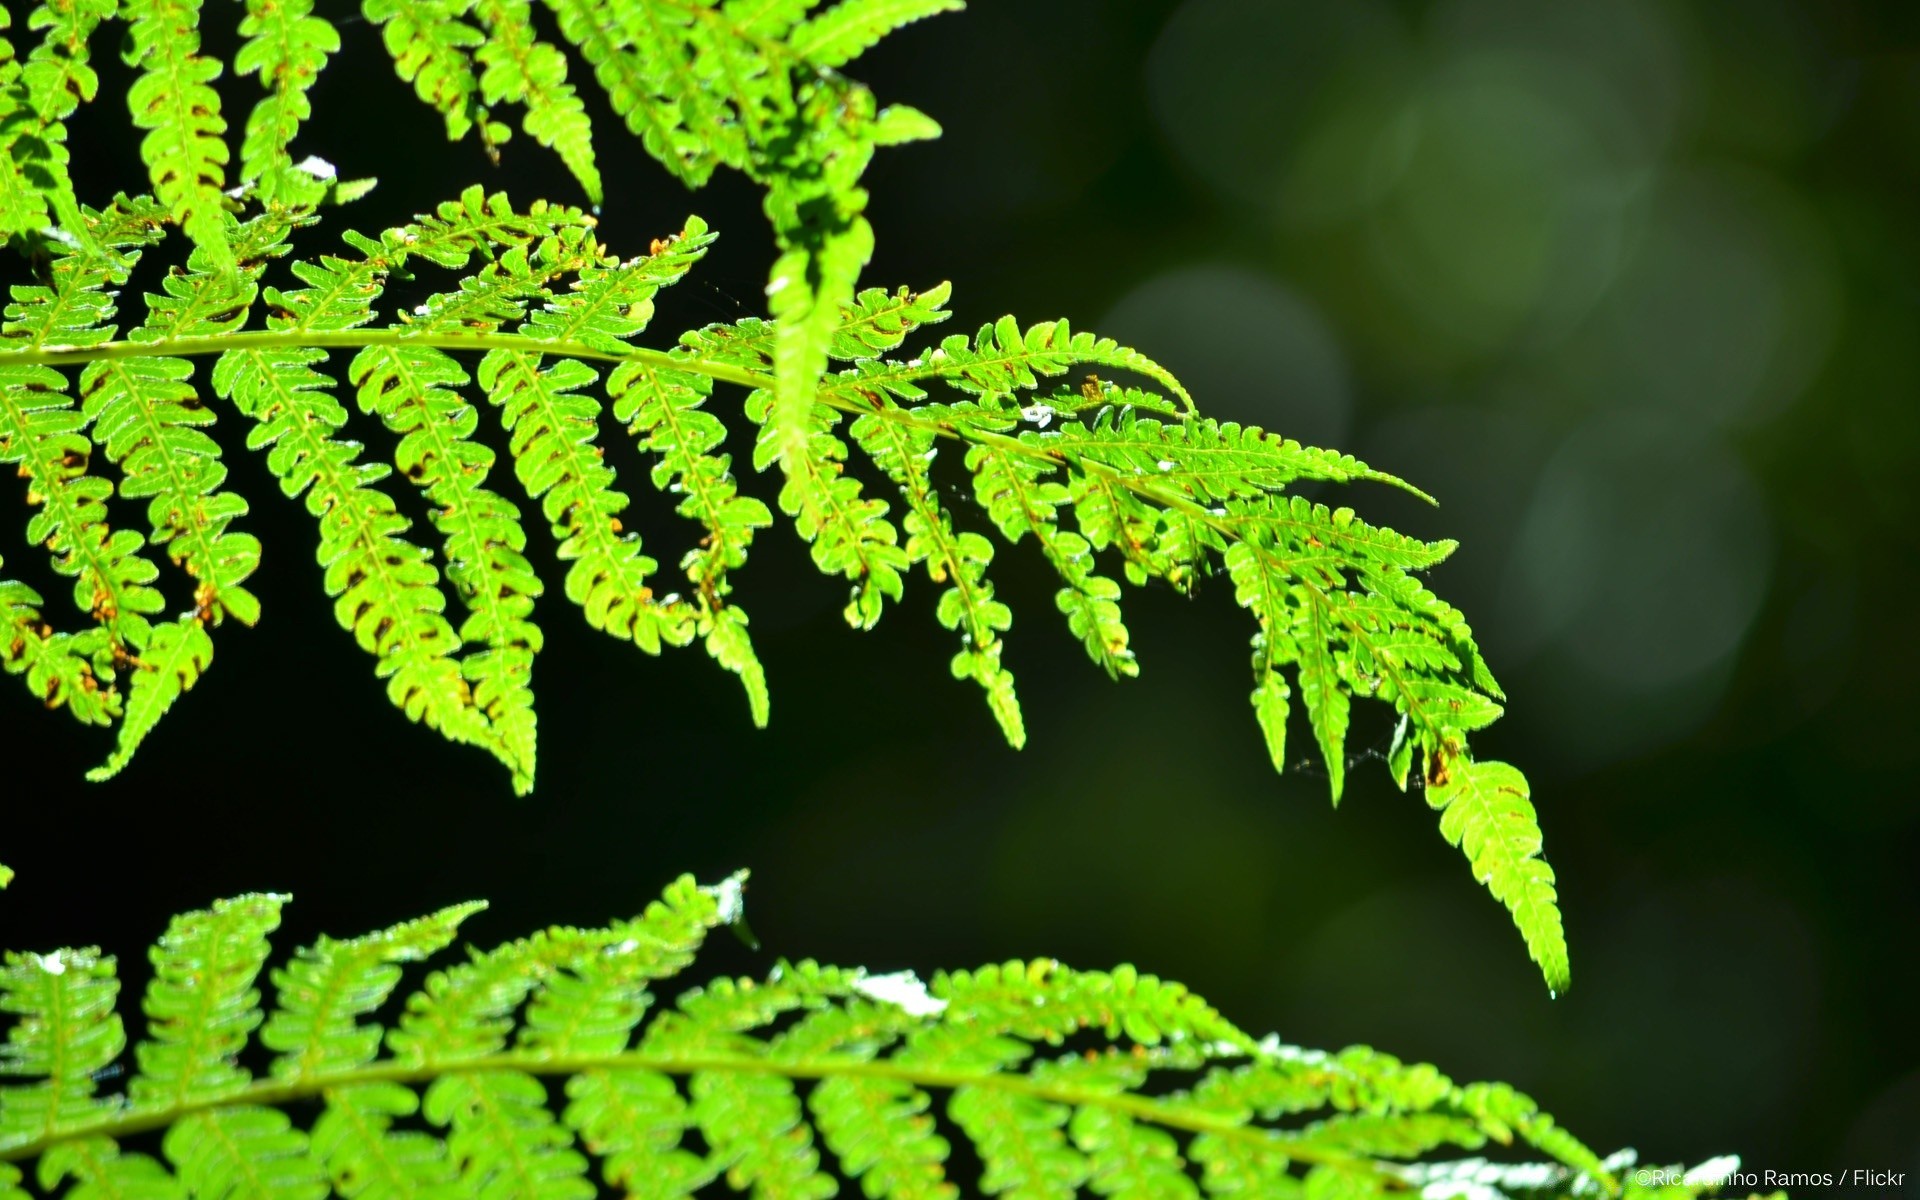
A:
(536, 323)
(537, 1067)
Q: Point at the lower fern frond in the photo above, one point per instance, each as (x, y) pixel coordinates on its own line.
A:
(533, 1068)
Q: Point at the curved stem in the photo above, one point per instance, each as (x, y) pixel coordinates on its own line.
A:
(276, 1093)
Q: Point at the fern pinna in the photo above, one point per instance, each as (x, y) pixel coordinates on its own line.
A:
(542, 1065)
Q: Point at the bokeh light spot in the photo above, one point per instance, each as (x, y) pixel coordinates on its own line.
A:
(1510, 214)
(1726, 308)
(1232, 82)
(1249, 349)
(1645, 554)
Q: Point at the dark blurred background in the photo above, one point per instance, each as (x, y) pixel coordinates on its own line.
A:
(1633, 288)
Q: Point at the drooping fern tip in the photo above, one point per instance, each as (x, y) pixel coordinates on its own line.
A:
(553, 1065)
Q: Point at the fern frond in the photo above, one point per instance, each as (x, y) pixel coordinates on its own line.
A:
(202, 1005)
(411, 390)
(288, 47)
(529, 1069)
(65, 1030)
(1485, 810)
(173, 98)
(1101, 469)
(553, 428)
(849, 532)
(148, 418)
(174, 659)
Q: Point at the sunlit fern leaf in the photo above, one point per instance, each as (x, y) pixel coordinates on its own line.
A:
(661, 408)
(504, 1139)
(1096, 470)
(1485, 810)
(957, 558)
(36, 99)
(64, 1030)
(536, 1067)
(328, 987)
(243, 1150)
(1002, 358)
(364, 1155)
(43, 432)
(174, 100)
(519, 68)
(101, 1169)
(70, 670)
(173, 660)
(413, 390)
(553, 428)
(1015, 493)
(387, 589)
(849, 531)
(1322, 692)
(148, 417)
(852, 27)
(431, 48)
(287, 47)
(202, 1004)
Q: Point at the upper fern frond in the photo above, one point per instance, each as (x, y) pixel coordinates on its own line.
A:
(532, 1068)
(1096, 470)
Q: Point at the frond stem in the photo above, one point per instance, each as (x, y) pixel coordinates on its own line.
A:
(276, 1093)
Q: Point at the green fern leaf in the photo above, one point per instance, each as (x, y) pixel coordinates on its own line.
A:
(173, 660)
(852, 27)
(65, 1030)
(849, 532)
(1013, 491)
(174, 100)
(244, 1151)
(518, 68)
(411, 390)
(1116, 1082)
(1485, 810)
(661, 407)
(1322, 692)
(100, 1170)
(36, 100)
(958, 559)
(430, 46)
(74, 670)
(42, 432)
(329, 986)
(360, 1151)
(147, 417)
(287, 47)
(503, 1138)
(202, 1004)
